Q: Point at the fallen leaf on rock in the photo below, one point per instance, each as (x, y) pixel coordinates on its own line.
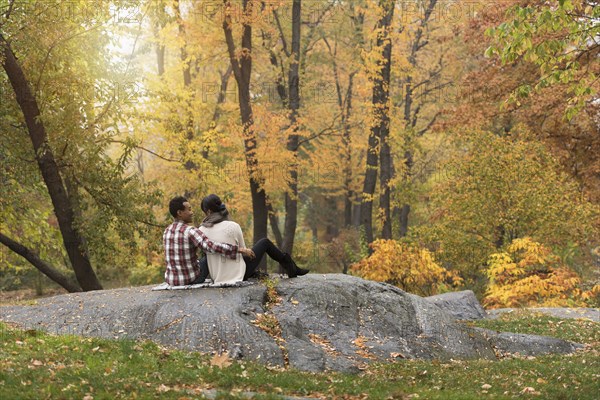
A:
(221, 360)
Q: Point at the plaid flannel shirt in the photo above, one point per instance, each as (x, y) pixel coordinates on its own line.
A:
(181, 242)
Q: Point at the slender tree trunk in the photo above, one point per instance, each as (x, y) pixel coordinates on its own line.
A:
(72, 239)
(160, 59)
(242, 71)
(220, 100)
(405, 210)
(44, 267)
(187, 82)
(187, 74)
(410, 115)
(347, 148)
(159, 49)
(274, 221)
(380, 129)
(291, 195)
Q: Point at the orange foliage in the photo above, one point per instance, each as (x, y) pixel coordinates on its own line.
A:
(529, 274)
(408, 267)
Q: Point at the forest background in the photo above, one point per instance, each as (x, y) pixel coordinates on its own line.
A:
(434, 145)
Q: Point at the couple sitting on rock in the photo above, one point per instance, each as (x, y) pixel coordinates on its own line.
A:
(222, 240)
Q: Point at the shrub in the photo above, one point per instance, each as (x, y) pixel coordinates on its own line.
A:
(529, 274)
(410, 268)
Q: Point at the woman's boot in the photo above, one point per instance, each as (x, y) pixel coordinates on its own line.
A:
(291, 268)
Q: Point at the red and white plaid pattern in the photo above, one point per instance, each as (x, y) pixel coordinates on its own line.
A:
(181, 242)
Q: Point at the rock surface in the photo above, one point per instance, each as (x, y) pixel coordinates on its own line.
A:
(528, 345)
(592, 314)
(463, 305)
(328, 322)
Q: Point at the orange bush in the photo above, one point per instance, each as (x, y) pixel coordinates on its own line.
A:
(528, 274)
(408, 267)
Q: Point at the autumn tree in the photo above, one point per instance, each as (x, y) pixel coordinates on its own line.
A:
(498, 189)
(378, 153)
(541, 79)
(90, 194)
(422, 85)
(241, 63)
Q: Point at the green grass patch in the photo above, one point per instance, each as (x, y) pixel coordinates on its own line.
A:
(35, 365)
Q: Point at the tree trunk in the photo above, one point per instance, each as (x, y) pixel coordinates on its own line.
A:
(410, 115)
(220, 100)
(62, 206)
(157, 25)
(274, 221)
(380, 129)
(291, 195)
(347, 144)
(159, 50)
(187, 82)
(405, 210)
(242, 70)
(383, 95)
(45, 268)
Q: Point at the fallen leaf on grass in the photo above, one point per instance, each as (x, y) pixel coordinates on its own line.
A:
(163, 388)
(530, 390)
(37, 363)
(486, 386)
(221, 360)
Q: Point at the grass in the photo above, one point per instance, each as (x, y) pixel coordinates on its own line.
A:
(34, 365)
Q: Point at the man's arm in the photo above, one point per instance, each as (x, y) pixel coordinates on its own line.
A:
(200, 240)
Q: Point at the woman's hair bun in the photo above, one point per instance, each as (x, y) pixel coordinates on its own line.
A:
(213, 203)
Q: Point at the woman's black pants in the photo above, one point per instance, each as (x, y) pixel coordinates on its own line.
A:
(260, 248)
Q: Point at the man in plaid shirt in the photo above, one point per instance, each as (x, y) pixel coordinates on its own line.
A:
(181, 241)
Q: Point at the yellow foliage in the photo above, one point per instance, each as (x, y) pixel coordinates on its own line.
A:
(408, 267)
(528, 274)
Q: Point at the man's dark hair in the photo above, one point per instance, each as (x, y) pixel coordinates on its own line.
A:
(176, 204)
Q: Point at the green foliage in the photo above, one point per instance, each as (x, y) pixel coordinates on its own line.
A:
(81, 94)
(560, 37)
(147, 270)
(345, 249)
(497, 189)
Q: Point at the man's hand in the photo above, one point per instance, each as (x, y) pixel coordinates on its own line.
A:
(247, 252)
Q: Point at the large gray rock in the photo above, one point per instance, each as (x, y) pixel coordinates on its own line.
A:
(463, 305)
(528, 345)
(335, 322)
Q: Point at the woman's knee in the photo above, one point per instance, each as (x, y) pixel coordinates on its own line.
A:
(264, 242)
